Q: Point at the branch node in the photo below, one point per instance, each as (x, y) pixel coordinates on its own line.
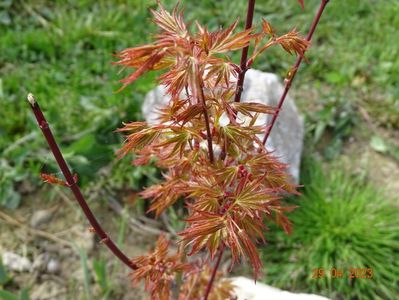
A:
(43, 124)
(104, 240)
(287, 82)
(75, 181)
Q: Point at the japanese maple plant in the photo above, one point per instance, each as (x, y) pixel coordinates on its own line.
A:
(206, 142)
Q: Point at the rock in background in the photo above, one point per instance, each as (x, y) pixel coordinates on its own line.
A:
(288, 132)
(246, 289)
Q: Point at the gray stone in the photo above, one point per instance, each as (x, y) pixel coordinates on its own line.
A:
(53, 266)
(15, 262)
(287, 135)
(41, 217)
(286, 138)
(45, 263)
(247, 289)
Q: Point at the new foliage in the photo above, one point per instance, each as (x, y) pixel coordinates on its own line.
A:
(206, 143)
(207, 146)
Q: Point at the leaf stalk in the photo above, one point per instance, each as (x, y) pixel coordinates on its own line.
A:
(214, 272)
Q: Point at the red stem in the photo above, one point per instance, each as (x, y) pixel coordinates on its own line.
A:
(244, 55)
(294, 70)
(44, 126)
(237, 98)
(243, 66)
(214, 271)
(208, 129)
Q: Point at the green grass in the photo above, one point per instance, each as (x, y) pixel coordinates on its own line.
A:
(62, 50)
(342, 222)
(65, 62)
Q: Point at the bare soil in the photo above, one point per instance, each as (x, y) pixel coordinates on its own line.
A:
(59, 240)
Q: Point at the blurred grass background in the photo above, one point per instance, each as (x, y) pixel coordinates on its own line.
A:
(62, 52)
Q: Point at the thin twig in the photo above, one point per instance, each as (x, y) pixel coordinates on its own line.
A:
(144, 219)
(214, 272)
(207, 124)
(44, 126)
(244, 55)
(294, 70)
(237, 98)
(134, 224)
(243, 69)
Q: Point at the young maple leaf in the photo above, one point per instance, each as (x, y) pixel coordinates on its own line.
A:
(293, 43)
(164, 194)
(158, 270)
(246, 107)
(211, 231)
(172, 24)
(142, 58)
(223, 40)
(154, 56)
(267, 28)
(49, 178)
(140, 136)
(207, 143)
(220, 70)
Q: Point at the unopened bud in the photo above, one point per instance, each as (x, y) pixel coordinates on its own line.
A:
(31, 99)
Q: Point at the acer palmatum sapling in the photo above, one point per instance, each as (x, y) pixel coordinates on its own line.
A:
(206, 143)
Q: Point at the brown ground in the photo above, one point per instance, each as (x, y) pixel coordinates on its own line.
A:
(56, 240)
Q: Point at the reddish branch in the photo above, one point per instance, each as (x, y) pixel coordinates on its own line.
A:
(243, 65)
(214, 271)
(207, 125)
(237, 98)
(294, 70)
(244, 55)
(72, 184)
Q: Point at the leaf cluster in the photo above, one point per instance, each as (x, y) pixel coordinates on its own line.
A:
(205, 141)
(159, 269)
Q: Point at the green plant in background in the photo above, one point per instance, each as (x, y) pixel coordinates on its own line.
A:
(100, 270)
(329, 126)
(46, 40)
(342, 223)
(23, 295)
(383, 146)
(4, 280)
(8, 196)
(4, 277)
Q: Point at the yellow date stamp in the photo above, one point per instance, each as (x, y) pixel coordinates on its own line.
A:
(351, 273)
